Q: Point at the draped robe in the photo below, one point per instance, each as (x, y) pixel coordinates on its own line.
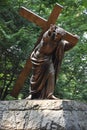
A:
(46, 61)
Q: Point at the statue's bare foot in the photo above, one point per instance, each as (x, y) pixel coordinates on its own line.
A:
(29, 97)
(52, 97)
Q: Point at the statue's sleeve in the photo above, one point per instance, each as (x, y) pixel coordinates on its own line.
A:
(68, 45)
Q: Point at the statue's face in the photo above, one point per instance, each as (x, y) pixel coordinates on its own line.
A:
(50, 34)
(54, 33)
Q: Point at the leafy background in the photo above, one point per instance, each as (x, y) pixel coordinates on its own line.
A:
(17, 39)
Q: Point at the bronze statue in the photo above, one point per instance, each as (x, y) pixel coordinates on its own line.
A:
(44, 24)
(46, 60)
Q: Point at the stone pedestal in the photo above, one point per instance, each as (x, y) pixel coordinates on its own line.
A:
(43, 115)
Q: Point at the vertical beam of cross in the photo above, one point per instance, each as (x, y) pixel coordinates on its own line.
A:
(43, 23)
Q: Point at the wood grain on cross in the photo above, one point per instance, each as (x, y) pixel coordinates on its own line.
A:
(44, 24)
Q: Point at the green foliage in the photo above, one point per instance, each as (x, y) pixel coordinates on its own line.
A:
(18, 36)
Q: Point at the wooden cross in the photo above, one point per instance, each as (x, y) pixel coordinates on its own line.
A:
(44, 24)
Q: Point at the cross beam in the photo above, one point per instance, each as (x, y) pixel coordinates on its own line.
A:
(44, 24)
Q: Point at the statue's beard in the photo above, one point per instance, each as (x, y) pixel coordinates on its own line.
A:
(53, 36)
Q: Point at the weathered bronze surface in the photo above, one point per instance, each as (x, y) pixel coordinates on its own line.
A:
(46, 61)
(44, 24)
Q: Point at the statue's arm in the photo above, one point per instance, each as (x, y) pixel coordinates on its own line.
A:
(68, 45)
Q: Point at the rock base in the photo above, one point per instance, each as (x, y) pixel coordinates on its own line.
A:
(43, 115)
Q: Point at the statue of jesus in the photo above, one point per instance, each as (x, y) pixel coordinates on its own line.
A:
(46, 61)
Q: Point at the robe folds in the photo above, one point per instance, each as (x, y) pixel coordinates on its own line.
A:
(46, 62)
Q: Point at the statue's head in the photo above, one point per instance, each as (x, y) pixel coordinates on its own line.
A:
(54, 33)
